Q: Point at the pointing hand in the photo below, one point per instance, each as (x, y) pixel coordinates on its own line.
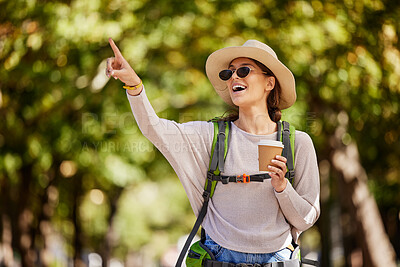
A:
(119, 68)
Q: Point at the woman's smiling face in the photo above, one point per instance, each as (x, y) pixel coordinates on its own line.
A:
(252, 89)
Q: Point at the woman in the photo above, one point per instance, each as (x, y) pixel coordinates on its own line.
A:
(245, 223)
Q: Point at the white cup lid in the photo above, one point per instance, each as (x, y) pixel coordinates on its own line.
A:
(270, 143)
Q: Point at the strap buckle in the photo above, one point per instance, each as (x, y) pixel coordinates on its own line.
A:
(225, 180)
(222, 133)
(243, 178)
(290, 174)
(206, 195)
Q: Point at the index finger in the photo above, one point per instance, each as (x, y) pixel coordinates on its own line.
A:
(114, 47)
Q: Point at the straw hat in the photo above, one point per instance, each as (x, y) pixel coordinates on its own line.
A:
(220, 60)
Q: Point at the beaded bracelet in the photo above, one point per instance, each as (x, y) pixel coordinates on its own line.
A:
(127, 87)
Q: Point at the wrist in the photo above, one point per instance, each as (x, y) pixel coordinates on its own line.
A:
(135, 92)
(282, 187)
(135, 89)
(133, 83)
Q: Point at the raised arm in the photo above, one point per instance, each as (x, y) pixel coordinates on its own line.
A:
(186, 146)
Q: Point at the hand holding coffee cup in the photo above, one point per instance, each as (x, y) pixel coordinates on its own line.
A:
(270, 159)
(267, 150)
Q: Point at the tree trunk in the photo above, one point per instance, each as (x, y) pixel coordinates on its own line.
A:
(44, 228)
(370, 233)
(109, 238)
(324, 222)
(22, 220)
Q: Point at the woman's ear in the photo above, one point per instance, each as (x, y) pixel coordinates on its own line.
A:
(270, 83)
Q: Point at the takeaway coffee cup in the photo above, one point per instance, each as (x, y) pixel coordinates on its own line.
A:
(267, 150)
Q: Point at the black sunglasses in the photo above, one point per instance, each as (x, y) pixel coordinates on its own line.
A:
(241, 72)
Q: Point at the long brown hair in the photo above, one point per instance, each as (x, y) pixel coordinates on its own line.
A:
(273, 99)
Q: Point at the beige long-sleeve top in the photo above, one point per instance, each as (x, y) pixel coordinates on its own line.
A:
(251, 217)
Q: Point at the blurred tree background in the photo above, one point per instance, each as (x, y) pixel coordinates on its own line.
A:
(78, 181)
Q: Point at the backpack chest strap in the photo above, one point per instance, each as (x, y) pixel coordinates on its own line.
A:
(244, 178)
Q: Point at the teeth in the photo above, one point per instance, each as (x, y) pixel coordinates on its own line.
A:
(238, 88)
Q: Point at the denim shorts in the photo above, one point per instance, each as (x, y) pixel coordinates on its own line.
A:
(227, 255)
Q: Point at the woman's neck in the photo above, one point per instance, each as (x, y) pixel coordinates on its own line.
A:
(255, 121)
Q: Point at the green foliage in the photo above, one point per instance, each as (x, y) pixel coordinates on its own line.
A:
(72, 154)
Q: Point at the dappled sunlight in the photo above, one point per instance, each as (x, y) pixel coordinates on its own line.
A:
(81, 185)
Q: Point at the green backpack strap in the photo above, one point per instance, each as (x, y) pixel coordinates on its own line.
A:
(286, 134)
(219, 151)
(218, 155)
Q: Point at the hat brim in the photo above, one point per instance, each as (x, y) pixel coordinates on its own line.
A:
(220, 59)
